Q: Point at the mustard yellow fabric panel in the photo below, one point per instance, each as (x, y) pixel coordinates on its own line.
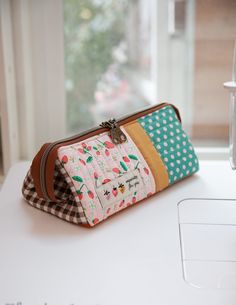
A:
(149, 152)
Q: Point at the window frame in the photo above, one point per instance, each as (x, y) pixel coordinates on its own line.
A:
(34, 92)
(32, 74)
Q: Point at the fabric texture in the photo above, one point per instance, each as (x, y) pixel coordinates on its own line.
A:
(97, 162)
(171, 142)
(66, 207)
(150, 154)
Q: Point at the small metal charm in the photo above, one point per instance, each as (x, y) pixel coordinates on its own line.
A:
(116, 133)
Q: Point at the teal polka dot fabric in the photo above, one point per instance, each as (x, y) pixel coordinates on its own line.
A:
(166, 133)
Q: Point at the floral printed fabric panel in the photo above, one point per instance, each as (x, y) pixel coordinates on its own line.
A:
(166, 133)
(107, 177)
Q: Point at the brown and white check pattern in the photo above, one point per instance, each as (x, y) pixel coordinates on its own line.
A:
(67, 206)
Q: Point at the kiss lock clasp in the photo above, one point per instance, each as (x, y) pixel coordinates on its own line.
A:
(116, 134)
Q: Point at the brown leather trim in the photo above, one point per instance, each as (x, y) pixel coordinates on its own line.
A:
(50, 162)
(35, 169)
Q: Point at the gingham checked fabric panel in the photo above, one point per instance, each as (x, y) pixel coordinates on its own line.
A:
(67, 206)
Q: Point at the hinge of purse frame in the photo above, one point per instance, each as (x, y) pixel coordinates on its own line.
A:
(116, 134)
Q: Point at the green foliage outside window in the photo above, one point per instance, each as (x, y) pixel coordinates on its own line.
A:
(92, 29)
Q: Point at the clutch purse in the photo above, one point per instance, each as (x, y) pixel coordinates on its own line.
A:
(87, 178)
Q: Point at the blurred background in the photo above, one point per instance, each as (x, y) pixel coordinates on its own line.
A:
(67, 65)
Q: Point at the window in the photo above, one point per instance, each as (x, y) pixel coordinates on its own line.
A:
(122, 55)
(215, 31)
(107, 59)
(67, 65)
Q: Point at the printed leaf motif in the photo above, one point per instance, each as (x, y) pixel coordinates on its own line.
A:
(123, 166)
(95, 148)
(77, 178)
(133, 157)
(89, 159)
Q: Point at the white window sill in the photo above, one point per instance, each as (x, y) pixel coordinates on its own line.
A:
(215, 153)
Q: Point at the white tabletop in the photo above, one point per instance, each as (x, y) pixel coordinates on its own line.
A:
(134, 258)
